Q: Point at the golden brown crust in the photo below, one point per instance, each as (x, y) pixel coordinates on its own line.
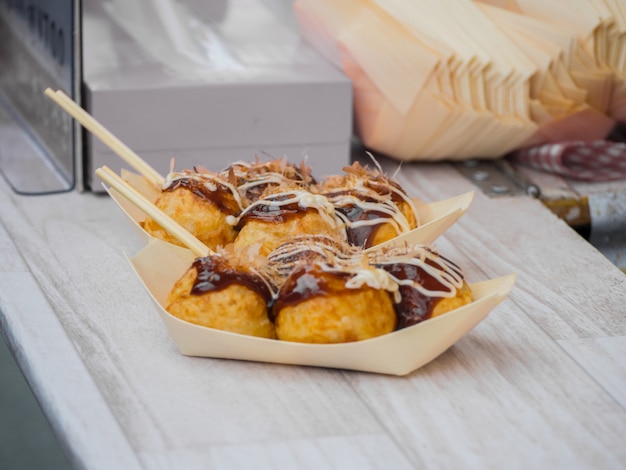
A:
(235, 308)
(408, 213)
(446, 304)
(383, 233)
(198, 216)
(352, 315)
(269, 235)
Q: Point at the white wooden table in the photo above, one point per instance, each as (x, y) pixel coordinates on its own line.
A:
(541, 383)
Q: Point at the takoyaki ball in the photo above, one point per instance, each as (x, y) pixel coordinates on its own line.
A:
(278, 217)
(252, 179)
(429, 284)
(202, 203)
(316, 305)
(216, 294)
(374, 208)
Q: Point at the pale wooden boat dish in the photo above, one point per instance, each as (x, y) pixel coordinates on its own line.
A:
(160, 264)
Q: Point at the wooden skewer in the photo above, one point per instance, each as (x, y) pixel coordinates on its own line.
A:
(164, 220)
(97, 129)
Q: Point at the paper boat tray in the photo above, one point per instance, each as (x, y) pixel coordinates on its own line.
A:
(160, 264)
(435, 218)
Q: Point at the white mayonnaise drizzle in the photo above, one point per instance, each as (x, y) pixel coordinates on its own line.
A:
(310, 249)
(375, 278)
(304, 200)
(334, 257)
(381, 203)
(267, 178)
(445, 272)
(242, 170)
(402, 194)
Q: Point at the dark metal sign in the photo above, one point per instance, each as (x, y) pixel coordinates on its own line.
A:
(39, 48)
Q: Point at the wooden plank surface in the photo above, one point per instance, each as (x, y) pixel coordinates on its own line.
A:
(55, 372)
(537, 384)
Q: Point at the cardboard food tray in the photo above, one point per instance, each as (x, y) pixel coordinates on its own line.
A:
(160, 264)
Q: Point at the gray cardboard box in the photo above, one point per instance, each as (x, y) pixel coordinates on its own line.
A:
(208, 83)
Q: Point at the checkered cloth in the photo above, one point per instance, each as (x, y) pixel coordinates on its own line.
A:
(599, 160)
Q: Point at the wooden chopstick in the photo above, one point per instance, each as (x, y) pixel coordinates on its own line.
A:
(148, 208)
(97, 129)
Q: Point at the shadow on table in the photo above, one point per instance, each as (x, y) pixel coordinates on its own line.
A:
(26, 439)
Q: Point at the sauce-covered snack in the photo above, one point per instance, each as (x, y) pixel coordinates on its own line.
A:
(278, 216)
(315, 289)
(218, 293)
(334, 303)
(374, 208)
(429, 284)
(330, 291)
(201, 202)
(297, 261)
(362, 207)
(266, 203)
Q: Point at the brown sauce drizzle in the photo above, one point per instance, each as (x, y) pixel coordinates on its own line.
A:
(215, 273)
(222, 197)
(265, 211)
(362, 235)
(308, 281)
(359, 235)
(415, 306)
